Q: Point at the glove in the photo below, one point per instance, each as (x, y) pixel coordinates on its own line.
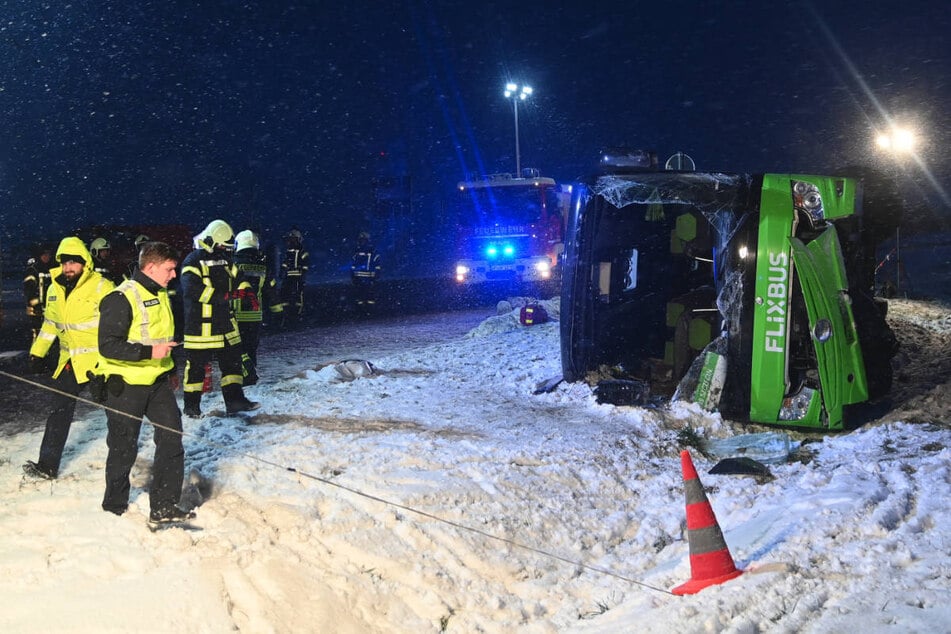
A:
(115, 384)
(97, 386)
(36, 365)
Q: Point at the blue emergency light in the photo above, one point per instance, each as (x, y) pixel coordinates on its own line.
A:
(493, 251)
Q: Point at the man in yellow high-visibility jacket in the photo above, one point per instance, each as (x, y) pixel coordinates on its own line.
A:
(72, 315)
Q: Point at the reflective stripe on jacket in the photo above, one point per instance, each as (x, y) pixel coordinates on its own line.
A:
(254, 279)
(207, 280)
(73, 319)
(152, 323)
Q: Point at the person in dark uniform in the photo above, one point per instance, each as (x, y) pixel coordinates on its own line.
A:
(135, 344)
(210, 329)
(36, 283)
(101, 252)
(293, 275)
(256, 290)
(134, 264)
(365, 269)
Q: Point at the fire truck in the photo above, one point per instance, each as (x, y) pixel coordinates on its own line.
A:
(510, 229)
(122, 249)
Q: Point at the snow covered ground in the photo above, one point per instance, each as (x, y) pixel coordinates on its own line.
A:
(440, 494)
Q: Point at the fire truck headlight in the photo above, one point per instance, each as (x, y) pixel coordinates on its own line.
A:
(461, 272)
(543, 268)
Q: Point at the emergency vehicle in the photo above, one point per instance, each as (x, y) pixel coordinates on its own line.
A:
(750, 294)
(123, 250)
(510, 229)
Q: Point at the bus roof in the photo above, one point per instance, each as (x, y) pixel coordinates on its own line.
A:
(505, 180)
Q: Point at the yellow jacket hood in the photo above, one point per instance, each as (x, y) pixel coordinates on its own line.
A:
(74, 246)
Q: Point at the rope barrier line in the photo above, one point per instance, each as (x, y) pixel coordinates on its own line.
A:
(343, 487)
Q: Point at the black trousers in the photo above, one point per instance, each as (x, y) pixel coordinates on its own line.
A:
(232, 376)
(292, 294)
(364, 290)
(157, 403)
(250, 338)
(60, 420)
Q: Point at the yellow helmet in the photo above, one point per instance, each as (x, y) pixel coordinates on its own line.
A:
(247, 239)
(97, 245)
(218, 233)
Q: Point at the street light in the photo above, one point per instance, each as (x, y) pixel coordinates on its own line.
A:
(898, 140)
(517, 93)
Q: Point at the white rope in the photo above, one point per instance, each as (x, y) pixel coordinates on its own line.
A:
(368, 496)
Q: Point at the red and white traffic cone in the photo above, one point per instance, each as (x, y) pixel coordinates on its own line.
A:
(710, 559)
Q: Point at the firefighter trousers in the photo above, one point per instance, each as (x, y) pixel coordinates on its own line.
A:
(229, 362)
(250, 338)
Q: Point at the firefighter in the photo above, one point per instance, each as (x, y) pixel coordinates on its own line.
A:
(210, 329)
(293, 274)
(36, 283)
(72, 315)
(256, 290)
(135, 345)
(134, 264)
(101, 252)
(365, 268)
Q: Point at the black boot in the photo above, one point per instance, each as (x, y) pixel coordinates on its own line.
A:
(236, 401)
(168, 514)
(193, 404)
(37, 470)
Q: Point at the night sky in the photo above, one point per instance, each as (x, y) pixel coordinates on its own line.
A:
(272, 114)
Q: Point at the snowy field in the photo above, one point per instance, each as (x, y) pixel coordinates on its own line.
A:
(441, 495)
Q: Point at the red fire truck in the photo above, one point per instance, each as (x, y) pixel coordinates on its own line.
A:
(510, 229)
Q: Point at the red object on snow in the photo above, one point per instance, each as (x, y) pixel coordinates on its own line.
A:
(532, 314)
(206, 384)
(710, 559)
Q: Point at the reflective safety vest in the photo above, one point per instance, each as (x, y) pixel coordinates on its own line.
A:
(294, 263)
(152, 323)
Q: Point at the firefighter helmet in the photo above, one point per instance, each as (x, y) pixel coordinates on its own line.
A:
(97, 245)
(140, 240)
(218, 233)
(247, 239)
(364, 236)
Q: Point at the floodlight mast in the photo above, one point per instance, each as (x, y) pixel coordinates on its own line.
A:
(517, 93)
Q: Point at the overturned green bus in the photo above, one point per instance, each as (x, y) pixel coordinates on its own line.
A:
(750, 294)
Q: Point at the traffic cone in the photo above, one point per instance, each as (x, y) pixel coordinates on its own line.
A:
(710, 559)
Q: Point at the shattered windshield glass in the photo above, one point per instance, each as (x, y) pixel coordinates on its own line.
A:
(709, 192)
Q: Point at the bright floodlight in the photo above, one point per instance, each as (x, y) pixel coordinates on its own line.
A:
(897, 140)
(516, 93)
